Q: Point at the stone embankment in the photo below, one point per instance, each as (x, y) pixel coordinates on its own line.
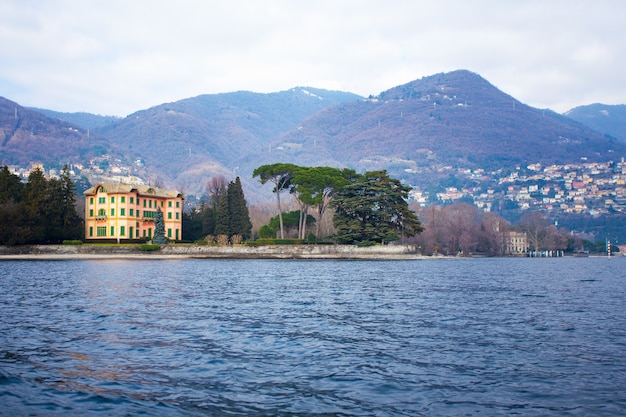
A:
(88, 251)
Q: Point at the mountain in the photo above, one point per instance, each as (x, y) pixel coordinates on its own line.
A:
(185, 142)
(422, 132)
(451, 119)
(85, 120)
(27, 136)
(607, 119)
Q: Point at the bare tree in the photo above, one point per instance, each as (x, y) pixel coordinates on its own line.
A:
(534, 224)
(214, 185)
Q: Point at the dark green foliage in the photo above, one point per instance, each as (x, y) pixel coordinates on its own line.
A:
(280, 175)
(291, 220)
(150, 247)
(222, 213)
(226, 213)
(373, 209)
(192, 224)
(314, 187)
(159, 229)
(41, 211)
(10, 186)
(266, 232)
(239, 216)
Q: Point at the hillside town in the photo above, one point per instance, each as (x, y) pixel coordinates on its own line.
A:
(592, 188)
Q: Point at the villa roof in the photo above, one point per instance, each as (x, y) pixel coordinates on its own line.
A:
(144, 190)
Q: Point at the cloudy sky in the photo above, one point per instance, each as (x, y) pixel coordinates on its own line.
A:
(115, 57)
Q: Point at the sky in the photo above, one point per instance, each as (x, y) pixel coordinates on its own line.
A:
(115, 57)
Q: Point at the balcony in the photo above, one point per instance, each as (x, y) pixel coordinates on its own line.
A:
(101, 217)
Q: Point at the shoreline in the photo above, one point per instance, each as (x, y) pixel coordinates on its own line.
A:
(178, 252)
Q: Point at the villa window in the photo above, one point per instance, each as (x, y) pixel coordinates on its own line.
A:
(101, 231)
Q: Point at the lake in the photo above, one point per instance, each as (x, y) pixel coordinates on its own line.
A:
(199, 337)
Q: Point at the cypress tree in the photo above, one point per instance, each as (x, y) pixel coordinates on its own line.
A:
(34, 203)
(240, 223)
(222, 214)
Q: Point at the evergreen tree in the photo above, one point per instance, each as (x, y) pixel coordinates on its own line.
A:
(280, 175)
(222, 214)
(192, 224)
(240, 223)
(207, 213)
(72, 222)
(34, 203)
(159, 229)
(10, 186)
(13, 227)
(373, 209)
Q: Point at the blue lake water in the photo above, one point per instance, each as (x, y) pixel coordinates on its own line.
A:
(292, 337)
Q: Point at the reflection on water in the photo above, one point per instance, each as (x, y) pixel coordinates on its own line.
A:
(268, 337)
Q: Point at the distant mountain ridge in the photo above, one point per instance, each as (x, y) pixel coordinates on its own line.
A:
(85, 120)
(187, 141)
(415, 131)
(607, 119)
(28, 136)
(455, 118)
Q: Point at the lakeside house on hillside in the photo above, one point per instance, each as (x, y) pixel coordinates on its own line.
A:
(128, 212)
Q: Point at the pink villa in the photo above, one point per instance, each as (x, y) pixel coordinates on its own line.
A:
(125, 212)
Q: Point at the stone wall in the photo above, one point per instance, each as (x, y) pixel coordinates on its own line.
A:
(196, 251)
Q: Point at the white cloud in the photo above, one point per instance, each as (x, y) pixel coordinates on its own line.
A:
(117, 57)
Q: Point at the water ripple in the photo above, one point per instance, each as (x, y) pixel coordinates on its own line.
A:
(346, 338)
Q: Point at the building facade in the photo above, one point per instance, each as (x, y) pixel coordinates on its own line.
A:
(517, 243)
(126, 212)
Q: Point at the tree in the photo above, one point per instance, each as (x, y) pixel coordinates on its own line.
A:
(34, 203)
(315, 187)
(42, 211)
(461, 228)
(222, 214)
(159, 229)
(291, 220)
(280, 175)
(72, 225)
(10, 186)
(373, 209)
(535, 225)
(192, 223)
(240, 223)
